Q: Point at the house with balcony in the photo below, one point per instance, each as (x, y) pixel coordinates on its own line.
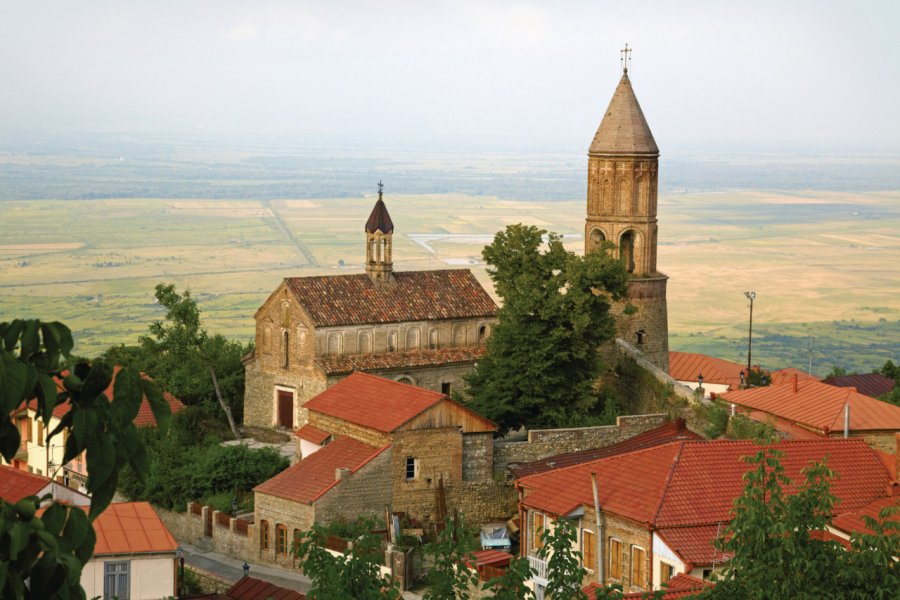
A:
(647, 515)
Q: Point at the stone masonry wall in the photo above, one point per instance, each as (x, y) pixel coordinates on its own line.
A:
(547, 442)
(279, 511)
(630, 533)
(337, 427)
(648, 296)
(438, 453)
(189, 528)
(365, 492)
(478, 456)
(259, 392)
(484, 501)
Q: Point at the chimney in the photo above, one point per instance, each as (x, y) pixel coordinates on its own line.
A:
(341, 473)
(846, 420)
(795, 383)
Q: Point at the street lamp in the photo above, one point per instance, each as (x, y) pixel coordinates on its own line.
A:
(246, 569)
(742, 377)
(234, 506)
(700, 381)
(750, 296)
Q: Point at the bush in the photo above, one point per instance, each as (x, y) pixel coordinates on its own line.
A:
(741, 427)
(716, 416)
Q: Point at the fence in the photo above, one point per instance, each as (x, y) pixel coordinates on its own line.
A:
(241, 527)
(223, 519)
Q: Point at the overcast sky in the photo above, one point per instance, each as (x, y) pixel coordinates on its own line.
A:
(717, 75)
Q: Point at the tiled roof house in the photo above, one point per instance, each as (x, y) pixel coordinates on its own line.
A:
(426, 328)
(373, 442)
(870, 384)
(719, 375)
(664, 506)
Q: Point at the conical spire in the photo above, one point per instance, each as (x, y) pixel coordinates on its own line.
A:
(624, 129)
(379, 220)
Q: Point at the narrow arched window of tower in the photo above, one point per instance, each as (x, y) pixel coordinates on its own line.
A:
(412, 338)
(626, 250)
(301, 341)
(624, 198)
(392, 341)
(597, 238)
(641, 337)
(643, 195)
(267, 339)
(607, 197)
(433, 339)
(335, 343)
(482, 334)
(285, 315)
(285, 345)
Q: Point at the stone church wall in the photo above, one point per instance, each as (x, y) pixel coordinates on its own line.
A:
(259, 392)
(363, 493)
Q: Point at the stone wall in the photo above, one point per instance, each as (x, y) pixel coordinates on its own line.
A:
(630, 533)
(438, 454)
(259, 391)
(648, 296)
(430, 378)
(189, 528)
(478, 456)
(484, 501)
(411, 335)
(547, 442)
(365, 492)
(337, 427)
(294, 516)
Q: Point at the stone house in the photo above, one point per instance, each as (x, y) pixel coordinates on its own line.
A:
(426, 328)
(661, 508)
(372, 443)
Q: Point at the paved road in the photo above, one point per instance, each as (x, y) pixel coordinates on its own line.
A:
(232, 569)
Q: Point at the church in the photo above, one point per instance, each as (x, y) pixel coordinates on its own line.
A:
(428, 328)
(425, 328)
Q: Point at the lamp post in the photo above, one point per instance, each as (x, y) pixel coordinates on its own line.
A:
(742, 378)
(234, 506)
(246, 568)
(750, 296)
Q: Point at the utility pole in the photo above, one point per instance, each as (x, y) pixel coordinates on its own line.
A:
(751, 296)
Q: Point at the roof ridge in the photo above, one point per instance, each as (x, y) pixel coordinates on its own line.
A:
(662, 497)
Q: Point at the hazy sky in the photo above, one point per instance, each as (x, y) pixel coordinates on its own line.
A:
(762, 75)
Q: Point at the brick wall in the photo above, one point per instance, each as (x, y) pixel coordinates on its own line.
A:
(365, 492)
(547, 442)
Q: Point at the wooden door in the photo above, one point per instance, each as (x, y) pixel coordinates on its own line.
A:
(286, 409)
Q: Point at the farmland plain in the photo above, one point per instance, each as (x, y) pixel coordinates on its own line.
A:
(824, 264)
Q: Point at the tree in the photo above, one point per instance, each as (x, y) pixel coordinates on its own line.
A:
(42, 557)
(451, 576)
(776, 546)
(355, 574)
(511, 584)
(565, 573)
(180, 340)
(542, 361)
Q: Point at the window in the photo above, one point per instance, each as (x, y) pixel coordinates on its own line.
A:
(40, 433)
(588, 550)
(615, 558)
(433, 339)
(412, 468)
(298, 537)
(281, 539)
(115, 580)
(445, 388)
(665, 572)
(638, 567)
(537, 528)
(264, 535)
(641, 335)
(482, 333)
(285, 345)
(392, 341)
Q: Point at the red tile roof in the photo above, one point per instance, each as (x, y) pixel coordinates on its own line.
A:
(819, 405)
(870, 384)
(374, 402)
(131, 528)
(852, 521)
(680, 586)
(332, 300)
(313, 434)
(694, 545)
(496, 558)
(695, 483)
(307, 480)
(16, 484)
(686, 366)
(144, 417)
(379, 219)
(786, 375)
(672, 431)
(411, 359)
(248, 588)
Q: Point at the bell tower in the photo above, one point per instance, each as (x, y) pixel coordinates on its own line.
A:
(379, 234)
(623, 162)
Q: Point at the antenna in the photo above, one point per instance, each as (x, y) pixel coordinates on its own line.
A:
(625, 58)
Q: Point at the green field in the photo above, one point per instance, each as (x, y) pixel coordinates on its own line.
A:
(823, 264)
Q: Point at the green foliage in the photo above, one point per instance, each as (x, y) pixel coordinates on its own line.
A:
(776, 554)
(451, 577)
(836, 371)
(890, 370)
(564, 571)
(43, 557)
(715, 414)
(511, 584)
(741, 427)
(354, 574)
(542, 358)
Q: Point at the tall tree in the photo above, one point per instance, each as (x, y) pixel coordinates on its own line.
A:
(565, 572)
(542, 360)
(42, 556)
(180, 339)
(451, 576)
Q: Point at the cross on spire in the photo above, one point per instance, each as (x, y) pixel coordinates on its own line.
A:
(625, 58)
(380, 189)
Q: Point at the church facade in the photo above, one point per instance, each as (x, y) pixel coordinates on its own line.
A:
(426, 328)
(623, 166)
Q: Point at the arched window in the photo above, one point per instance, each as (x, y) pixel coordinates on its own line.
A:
(298, 537)
(264, 535)
(596, 238)
(286, 315)
(433, 339)
(281, 546)
(626, 250)
(482, 333)
(285, 349)
(405, 379)
(392, 341)
(365, 342)
(642, 199)
(412, 338)
(624, 197)
(301, 341)
(641, 336)
(607, 197)
(459, 335)
(335, 343)
(267, 339)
